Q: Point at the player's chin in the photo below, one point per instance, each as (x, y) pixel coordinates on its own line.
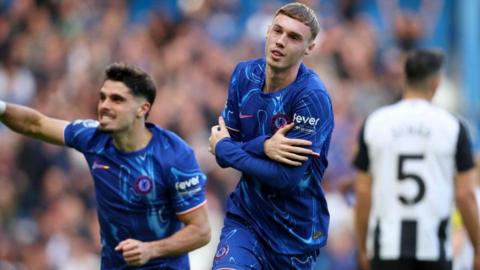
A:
(106, 127)
(276, 63)
(273, 61)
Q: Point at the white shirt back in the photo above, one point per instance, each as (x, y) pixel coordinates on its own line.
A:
(412, 148)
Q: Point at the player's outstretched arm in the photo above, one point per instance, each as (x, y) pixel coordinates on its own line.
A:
(363, 191)
(195, 234)
(467, 206)
(32, 123)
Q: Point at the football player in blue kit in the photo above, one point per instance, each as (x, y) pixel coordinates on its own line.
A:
(149, 187)
(276, 129)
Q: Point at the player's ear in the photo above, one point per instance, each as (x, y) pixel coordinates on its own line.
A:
(435, 81)
(433, 85)
(143, 109)
(310, 47)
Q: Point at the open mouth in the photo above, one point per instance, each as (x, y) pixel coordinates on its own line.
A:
(277, 53)
(106, 118)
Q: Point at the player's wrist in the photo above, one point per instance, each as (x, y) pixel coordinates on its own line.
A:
(3, 107)
(266, 146)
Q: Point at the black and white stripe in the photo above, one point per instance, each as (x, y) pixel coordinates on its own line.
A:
(413, 150)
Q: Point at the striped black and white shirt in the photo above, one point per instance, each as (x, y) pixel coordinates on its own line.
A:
(412, 150)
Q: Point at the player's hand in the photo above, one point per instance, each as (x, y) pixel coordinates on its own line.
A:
(217, 133)
(363, 261)
(135, 252)
(285, 150)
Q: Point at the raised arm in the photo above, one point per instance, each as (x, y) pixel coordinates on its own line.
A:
(32, 123)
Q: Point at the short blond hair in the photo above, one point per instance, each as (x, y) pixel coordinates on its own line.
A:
(302, 13)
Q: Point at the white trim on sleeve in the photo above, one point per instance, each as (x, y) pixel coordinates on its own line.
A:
(192, 209)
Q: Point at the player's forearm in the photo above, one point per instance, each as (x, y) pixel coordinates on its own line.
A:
(21, 119)
(255, 146)
(467, 206)
(272, 174)
(189, 238)
(362, 211)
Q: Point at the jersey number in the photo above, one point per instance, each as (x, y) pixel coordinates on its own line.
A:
(403, 176)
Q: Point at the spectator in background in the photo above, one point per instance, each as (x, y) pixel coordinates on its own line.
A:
(414, 162)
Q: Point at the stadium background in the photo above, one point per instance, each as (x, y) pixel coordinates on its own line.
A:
(53, 52)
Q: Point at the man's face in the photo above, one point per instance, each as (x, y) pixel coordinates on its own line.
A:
(118, 109)
(288, 40)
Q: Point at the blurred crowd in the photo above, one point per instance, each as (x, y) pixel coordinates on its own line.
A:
(52, 57)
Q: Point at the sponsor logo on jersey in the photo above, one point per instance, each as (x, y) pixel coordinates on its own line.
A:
(305, 120)
(143, 184)
(305, 124)
(190, 185)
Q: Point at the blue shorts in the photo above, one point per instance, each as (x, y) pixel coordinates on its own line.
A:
(240, 249)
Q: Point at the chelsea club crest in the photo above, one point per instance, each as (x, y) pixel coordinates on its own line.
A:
(278, 121)
(143, 184)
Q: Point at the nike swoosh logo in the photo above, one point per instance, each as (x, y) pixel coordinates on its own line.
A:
(242, 116)
(97, 165)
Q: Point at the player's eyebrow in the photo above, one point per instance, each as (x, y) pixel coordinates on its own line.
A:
(295, 35)
(117, 97)
(290, 33)
(113, 96)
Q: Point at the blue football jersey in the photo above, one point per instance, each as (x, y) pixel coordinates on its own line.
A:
(139, 194)
(284, 204)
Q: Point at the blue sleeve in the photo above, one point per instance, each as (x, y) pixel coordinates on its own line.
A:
(231, 116)
(78, 134)
(255, 146)
(188, 183)
(313, 117)
(231, 110)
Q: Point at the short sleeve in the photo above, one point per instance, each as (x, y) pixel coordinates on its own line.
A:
(79, 133)
(463, 156)
(187, 184)
(361, 160)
